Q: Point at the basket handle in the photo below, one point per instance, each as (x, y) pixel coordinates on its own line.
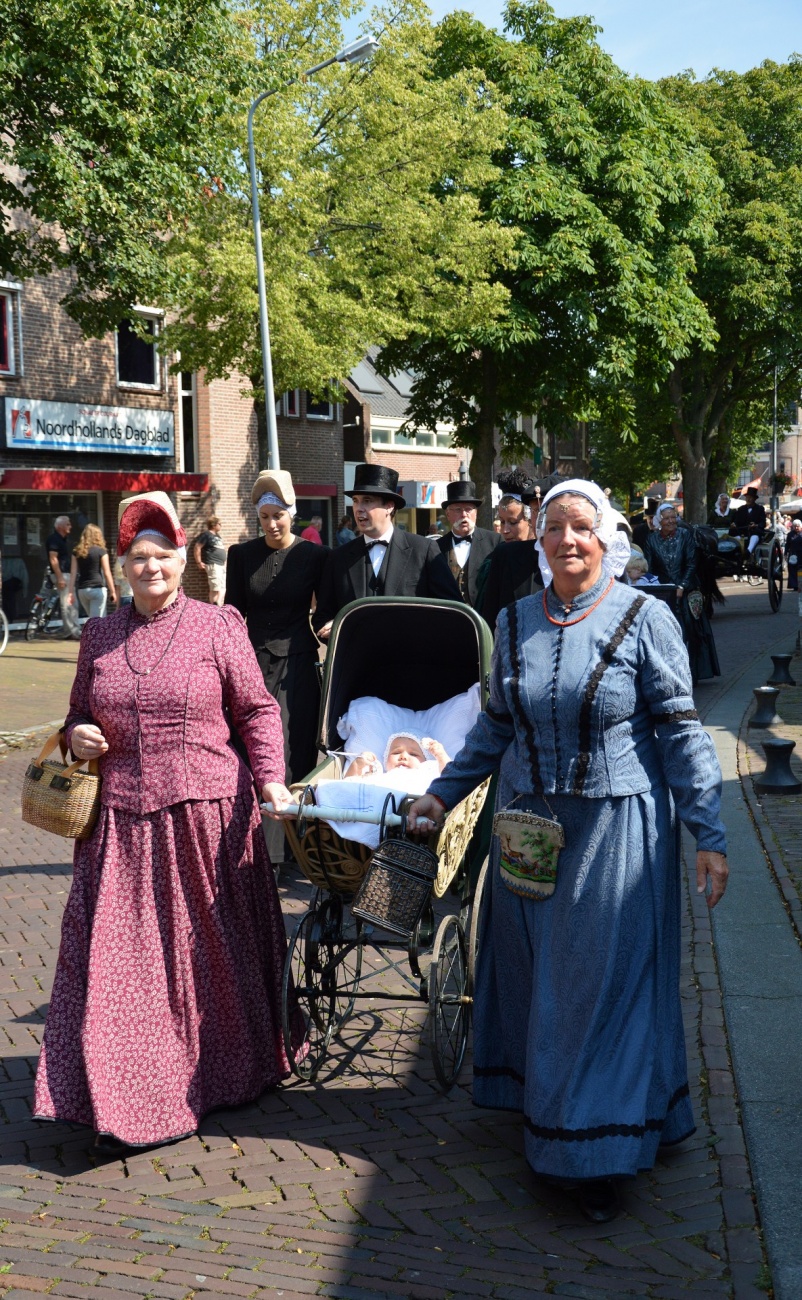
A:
(57, 739)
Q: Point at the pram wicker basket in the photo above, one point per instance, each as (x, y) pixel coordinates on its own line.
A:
(397, 887)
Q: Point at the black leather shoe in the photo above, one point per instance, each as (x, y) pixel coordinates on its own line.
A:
(599, 1199)
(107, 1145)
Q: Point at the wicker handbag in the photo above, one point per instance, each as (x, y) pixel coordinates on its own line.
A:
(57, 797)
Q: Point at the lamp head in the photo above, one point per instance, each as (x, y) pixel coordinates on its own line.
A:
(359, 50)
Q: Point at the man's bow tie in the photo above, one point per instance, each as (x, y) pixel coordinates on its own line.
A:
(376, 541)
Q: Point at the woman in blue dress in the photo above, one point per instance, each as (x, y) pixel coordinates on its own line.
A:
(577, 1015)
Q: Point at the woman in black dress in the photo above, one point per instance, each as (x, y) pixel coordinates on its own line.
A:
(272, 580)
(671, 554)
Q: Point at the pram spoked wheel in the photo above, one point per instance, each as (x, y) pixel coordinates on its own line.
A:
(324, 966)
(451, 984)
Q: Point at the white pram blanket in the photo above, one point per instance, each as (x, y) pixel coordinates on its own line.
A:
(368, 795)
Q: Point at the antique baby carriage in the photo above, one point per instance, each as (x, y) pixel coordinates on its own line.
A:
(415, 653)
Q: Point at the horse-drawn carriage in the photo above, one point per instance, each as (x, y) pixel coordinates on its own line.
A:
(414, 653)
(723, 556)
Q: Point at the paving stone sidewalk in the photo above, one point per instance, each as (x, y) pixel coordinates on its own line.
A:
(367, 1186)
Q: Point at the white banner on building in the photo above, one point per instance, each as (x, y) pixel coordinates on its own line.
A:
(61, 426)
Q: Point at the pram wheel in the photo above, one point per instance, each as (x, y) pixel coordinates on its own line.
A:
(473, 929)
(449, 1001)
(340, 954)
(305, 968)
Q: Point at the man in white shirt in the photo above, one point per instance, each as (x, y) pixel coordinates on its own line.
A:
(465, 546)
(383, 560)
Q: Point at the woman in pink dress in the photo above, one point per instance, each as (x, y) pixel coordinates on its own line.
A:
(166, 999)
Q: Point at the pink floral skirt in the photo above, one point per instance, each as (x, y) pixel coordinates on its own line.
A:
(167, 996)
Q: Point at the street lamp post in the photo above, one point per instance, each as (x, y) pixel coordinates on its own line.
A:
(357, 52)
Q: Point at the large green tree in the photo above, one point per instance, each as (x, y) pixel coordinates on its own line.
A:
(748, 275)
(370, 178)
(602, 185)
(110, 113)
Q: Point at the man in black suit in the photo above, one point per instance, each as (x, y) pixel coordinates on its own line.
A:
(382, 560)
(750, 521)
(465, 546)
(514, 571)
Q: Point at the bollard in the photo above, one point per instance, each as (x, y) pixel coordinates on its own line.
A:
(778, 777)
(765, 701)
(781, 675)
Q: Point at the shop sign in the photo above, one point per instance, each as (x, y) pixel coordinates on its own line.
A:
(61, 426)
(423, 496)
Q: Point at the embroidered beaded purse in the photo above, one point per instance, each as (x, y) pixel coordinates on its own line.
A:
(529, 851)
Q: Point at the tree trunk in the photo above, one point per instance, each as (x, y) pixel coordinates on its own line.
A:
(484, 448)
(694, 490)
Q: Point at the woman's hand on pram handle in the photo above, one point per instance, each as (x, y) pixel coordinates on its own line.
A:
(426, 814)
(277, 794)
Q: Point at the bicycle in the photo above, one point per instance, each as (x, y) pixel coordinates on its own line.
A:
(45, 605)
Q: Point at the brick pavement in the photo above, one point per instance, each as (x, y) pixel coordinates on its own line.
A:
(366, 1186)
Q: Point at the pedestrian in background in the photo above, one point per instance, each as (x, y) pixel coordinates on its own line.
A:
(166, 1001)
(90, 573)
(793, 554)
(345, 532)
(312, 531)
(210, 555)
(58, 557)
(671, 554)
(512, 570)
(577, 1010)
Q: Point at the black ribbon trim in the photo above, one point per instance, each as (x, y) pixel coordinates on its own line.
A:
(604, 1130)
(515, 687)
(679, 715)
(591, 690)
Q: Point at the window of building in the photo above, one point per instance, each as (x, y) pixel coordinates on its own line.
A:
(189, 429)
(292, 405)
(316, 410)
(416, 439)
(9, 320)
(137, 358)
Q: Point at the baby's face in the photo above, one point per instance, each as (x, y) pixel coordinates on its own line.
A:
(405, 752)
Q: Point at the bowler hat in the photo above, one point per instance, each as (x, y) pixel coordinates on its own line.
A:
(277, 481)
(377, 480)
(461, 493)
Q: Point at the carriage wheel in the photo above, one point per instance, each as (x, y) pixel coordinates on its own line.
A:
(448, 1001)
(775, 577)
(340, 957)
(421, 939)
(304, 970)
(473, 930)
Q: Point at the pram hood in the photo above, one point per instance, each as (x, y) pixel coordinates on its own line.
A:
(408, 650)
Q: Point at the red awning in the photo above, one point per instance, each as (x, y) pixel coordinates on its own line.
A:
(81, 480)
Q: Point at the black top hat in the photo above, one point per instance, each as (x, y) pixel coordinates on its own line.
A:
(377, 480)
(461, 493)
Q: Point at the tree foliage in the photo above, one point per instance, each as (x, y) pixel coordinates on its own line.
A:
(602, 184)
(370, 215)
(718, 393)
(110, 116)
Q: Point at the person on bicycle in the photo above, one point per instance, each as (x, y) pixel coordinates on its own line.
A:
(59, 559)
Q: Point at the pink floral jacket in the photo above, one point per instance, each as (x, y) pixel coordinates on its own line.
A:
(162, 691)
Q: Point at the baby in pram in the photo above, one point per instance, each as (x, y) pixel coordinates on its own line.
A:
(404, 750)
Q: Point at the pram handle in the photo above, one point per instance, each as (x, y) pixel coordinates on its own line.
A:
(321, 813)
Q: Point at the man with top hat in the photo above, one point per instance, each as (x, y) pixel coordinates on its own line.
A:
(750, 520)
(383, 560)
(465, 546)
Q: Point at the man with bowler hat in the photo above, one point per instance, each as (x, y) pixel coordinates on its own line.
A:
(382, 560)
(514, 571)
(465, 546)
